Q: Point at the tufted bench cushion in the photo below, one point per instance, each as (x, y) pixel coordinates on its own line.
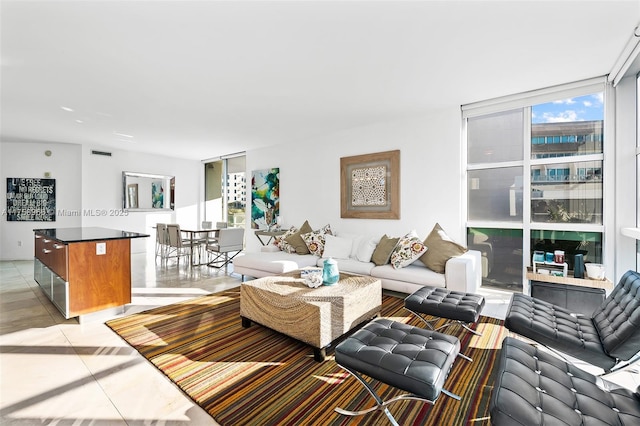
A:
(444, 303)
(534, 387)
(557, 327)
(409, 358)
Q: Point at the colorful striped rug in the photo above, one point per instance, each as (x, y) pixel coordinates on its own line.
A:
(255, 376)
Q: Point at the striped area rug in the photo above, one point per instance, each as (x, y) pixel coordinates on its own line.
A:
(255, 376)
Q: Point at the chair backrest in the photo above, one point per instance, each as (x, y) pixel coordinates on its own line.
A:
(221, 225)
(207, 224)
(161, 233)
(617, 320)
(174, 237)
(231, 239)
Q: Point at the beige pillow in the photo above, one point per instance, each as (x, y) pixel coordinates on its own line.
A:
(440, 249)
(382, 253)
(296, 240)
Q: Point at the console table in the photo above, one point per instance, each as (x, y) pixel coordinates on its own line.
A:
(264, 233)
(576, 294)
(84, 270)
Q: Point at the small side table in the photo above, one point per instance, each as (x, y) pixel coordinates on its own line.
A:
(265, 233)
(577, 294)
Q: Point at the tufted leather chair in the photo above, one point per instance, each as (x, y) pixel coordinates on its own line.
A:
(534, 387)
(611, 335)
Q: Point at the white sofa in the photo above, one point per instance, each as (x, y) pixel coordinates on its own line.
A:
(462, 273)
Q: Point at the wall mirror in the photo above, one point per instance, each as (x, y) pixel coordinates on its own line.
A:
(144, 191)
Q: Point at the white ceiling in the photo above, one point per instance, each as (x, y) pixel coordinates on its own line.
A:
(199, 79)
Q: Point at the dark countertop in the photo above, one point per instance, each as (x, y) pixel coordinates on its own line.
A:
(76, 235)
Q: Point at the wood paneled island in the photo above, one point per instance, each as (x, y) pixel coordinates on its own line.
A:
(84, 270)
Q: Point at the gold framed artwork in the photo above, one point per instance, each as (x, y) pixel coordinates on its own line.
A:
(370, 186)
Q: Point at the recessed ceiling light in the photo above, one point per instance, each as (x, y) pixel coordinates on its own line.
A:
(124, 135)
(66, 108)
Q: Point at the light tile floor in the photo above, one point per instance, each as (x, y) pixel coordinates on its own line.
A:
(62, 372)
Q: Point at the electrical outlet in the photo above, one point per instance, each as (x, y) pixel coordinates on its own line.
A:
(101, 248)
(19, 243)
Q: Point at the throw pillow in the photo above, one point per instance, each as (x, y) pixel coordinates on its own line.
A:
(315, 240)
(366, 248)
(440, 249)
(382, 253)
(296, 240)
(336, 247)
(281, 241)
(408, 249)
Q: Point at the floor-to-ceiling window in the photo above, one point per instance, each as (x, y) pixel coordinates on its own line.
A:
(225, 191)
(535, 178)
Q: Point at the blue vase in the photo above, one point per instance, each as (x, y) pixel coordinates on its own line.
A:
(330, 274)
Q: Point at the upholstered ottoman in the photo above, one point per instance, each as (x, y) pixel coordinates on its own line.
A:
(406, 357)
(462, 308)
(535, 387)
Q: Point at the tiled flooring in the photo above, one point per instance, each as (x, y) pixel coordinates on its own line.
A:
(62, 372)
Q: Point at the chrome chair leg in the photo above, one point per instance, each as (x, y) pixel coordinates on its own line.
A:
(380, 404)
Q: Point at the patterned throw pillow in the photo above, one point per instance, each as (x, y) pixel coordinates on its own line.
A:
(409, 249)
(315, 240)
(281, 241)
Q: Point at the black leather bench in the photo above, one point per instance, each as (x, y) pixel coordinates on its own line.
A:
(462, 308)
(534, 387)
(406, 357)
(607, 339)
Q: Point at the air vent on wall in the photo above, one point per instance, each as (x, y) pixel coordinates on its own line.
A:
(106, 154)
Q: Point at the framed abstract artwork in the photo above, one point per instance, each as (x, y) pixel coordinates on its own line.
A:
(265, 198)
(370, 186)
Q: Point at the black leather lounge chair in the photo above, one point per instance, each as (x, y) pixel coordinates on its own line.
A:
(534, 387)
(608, 339)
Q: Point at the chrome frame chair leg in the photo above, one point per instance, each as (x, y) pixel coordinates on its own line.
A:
(380, 404)
(451, 322)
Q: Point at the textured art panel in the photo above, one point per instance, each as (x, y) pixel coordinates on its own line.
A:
(369, 186)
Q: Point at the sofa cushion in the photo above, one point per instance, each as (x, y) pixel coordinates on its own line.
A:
(351, 265)
(440, 248)
(365, 249)
(336, 247)
(296, 240)
(382, 253)
(413, 274)
(408, 249)
(274, 263)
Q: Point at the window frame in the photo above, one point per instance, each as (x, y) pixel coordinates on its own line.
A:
(525, 101)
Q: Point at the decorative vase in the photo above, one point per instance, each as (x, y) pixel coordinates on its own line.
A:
(330, 274)
(578, 266)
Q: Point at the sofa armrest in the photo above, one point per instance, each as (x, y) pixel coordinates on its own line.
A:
(464, 272)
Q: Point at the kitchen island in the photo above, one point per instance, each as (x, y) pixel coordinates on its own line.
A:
(84, 270)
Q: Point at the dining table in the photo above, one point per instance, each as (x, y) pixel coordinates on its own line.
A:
(196, 237)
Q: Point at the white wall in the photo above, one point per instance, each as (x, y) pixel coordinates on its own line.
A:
(28, 160)
(89, 191)
(430, 167)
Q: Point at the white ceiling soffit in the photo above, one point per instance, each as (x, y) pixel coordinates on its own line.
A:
(200, 79)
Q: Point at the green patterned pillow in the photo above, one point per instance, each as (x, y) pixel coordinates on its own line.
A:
(281, 241)
(316, 240)
(408, 250)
